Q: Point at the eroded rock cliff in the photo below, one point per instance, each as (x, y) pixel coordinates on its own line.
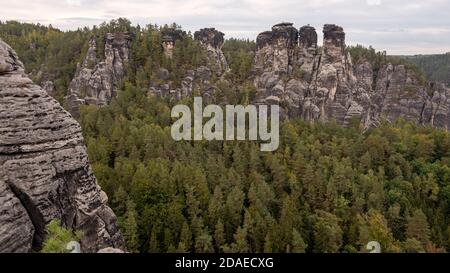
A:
(169, 38)
(289, 68)
(96, 81)
(212, 40)
(44, 168)
(199, 78)
(321, 84)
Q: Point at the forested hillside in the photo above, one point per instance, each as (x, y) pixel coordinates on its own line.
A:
(49, 54)
(436, 67)
(327, 188)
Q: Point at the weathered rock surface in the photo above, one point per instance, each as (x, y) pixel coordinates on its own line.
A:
(212, 40)
(321, 85)
(110, 250)
(198, 79)
(44, 168)
(169, 38)
(96, 81)
(275, 49)
(49, 87)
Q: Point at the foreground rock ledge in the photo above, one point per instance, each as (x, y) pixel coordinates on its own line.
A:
(44, 169)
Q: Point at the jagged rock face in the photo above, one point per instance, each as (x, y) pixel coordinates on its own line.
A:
(169, 37)
(44, 173)
(199, 79)
(400, 94)
(325, 85)
(275, 49)
(49, 87)
(333, 42)
(334, 79)
(212, 40)
(307, 37)
(117, 52)
(436, 111)
(307, 51)
(95, 81)
(275, 57)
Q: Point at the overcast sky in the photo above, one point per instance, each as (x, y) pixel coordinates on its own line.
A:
(398, 26)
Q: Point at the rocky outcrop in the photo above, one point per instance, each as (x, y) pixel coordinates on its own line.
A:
(212, 41)
(274, 59)
(49, 87)
(400, 94)
(275, 49)
(323, 85)
(436, 109)
(44, 169)
(96, 81)
(198, 79)
(334, 80)
(169, 37)
(110, 250)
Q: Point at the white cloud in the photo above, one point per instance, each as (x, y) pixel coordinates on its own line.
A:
(74, 2)
(373, 2)
(391, 25)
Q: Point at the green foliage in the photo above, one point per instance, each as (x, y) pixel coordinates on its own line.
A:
(48, 53)
(51, 54)
(239, 54)
(129, 227)
(58, 237)
(378, 59)
(326, 189)
(436, 67)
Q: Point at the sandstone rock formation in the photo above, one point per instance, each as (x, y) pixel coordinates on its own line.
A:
(212, 40)
(110, 250)
(275, 49)
(169, 38)
(323, 84)
(44, 169)
(198, 79)
(96, 81)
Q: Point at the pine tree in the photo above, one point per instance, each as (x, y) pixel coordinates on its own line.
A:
(186, 237)
(154, 242)
(327, 233)
(240, 238)
(374, 227)
(120, 201)
(219, 235)
(58, 237)
(268, 244)
(298, 244)
(418, 228)
(130, 228)
(203, 243)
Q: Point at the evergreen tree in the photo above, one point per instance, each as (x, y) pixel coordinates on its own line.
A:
(418, 228)
(130, 232)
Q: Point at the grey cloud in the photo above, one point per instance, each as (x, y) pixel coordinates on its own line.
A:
(399, 26)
